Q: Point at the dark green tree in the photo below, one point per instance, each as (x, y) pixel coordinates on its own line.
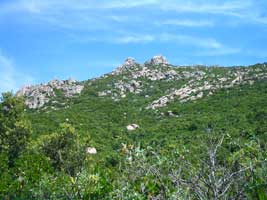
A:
(64, 149)
(15, 129)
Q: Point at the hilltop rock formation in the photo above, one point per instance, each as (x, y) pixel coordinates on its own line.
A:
(129, 62)
(186, 83)
(158, 60)
(133, 73)
(38, 95)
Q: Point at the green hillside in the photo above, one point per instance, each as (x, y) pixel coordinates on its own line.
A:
(178, 114)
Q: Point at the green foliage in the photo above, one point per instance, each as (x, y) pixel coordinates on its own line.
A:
(166, 158)
(15, 129)
(64, 150)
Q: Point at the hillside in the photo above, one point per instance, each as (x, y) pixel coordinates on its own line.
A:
(155, 105)
(166, 102)
(156, 96)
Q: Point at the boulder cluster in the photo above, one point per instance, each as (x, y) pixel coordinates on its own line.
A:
(132, 73)
(197, 87)
(158, 60)
(199, 81)
(131, 64)
(38, 95)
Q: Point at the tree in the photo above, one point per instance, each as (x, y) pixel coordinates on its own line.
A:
(15, 129)
(64, 149)
(220, 174)
(213, 172)
(67, 154)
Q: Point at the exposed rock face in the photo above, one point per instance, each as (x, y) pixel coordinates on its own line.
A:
(158, 60)
(154, 74)
(129, 62)
(155, 80)
(196, 87)
(37, 96)
(186, 83)
(133, 73)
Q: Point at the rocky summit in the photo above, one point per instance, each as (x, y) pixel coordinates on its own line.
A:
(158, 60)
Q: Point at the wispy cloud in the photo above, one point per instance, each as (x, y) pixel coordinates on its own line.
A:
(81, 15)
(248, 11)
(228, 7)
(186, 23)
(11, 79)
(164, 38)
(132, 39)
(130, 3)
(37, 6)
(191, 40)
(222, 51)
(204, 46)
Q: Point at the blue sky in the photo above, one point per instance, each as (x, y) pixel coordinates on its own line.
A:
(44, 39)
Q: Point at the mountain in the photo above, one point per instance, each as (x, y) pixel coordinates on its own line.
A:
(142, 131)
(182, 83)
(166, 102)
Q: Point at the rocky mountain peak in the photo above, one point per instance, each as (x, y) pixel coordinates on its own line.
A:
(129, 62)
(158, 60)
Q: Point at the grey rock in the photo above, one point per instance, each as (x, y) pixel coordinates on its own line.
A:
(38, 95)
(158, 60)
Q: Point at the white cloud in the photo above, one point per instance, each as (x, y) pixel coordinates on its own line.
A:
(132, 39)
(130, 3)
(11, 79)
(191, 40)
(204, 46)
(232, 7)
(99, 15)
(187, 23)
(224, 50)
(248, 11)
(41, 6)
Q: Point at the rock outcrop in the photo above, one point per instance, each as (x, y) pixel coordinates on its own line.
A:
(134, 74)
(158, 60)
(128, 64)
(38, 95)
(186, 83)
(156, 81)
(199, 85)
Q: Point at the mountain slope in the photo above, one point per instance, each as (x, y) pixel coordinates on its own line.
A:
(143, 131)
(169, 104)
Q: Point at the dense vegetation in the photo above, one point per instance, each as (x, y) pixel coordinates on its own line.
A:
(212, 148)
